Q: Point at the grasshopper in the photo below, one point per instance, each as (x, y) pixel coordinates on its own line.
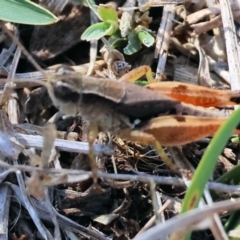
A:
(131, 111)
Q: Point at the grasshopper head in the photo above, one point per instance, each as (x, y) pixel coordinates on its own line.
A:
(65, 90)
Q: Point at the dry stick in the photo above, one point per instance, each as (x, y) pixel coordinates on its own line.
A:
(163, 38)
(13, 119)
(217, 33)
(29, 57)
(232, 46)
(190, 219)
(36, 141)
(216, 226)
(152, 219)
(75, 175)
(10, 94)
(233, 53)
(6, 96)
(93, 46)
(154, 200)
(5, 55)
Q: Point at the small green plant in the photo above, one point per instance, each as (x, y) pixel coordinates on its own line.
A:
(109, 26)
(25, 12)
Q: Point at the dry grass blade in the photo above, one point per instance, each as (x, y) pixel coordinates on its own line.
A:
(64, 222)
(163, 38)
(233, 50)
(5, 199)
(49, 136)
(63, 145)
(190, 219)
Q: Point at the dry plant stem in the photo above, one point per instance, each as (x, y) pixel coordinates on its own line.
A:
(30, 129)
(63, 145)
(189, 219)
(51, 210)
(217, 33)
(41, 228)
(5, 198)
(13, 118)
(160, 199)
(199, 15)
(154, 200)
(223, 73)
(163, 38)
(49, 136)
(79, 175)
(6, 95)
(6, 54)
(233, 51)
(31, 79)
(179, 159)
(12, 103)
(64, 222)
(114, 164)
(29, 57)
(93, 47)
(158, 3)
(153, 218)
(216, 226)
(204, 78)
(206, 26)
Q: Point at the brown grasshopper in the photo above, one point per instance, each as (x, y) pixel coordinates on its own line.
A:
(131, 111)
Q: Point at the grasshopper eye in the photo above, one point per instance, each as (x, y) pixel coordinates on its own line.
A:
(65, 93)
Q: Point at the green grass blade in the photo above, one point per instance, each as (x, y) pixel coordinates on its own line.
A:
(25, 12)
(208, 162)
(231, 176)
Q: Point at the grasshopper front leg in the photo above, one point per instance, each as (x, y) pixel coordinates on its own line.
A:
(92, 135)
(136, 73)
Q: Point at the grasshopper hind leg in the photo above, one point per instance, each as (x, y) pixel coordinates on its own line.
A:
(148, 139)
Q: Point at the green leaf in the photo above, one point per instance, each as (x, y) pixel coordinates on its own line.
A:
(108, 14)
(116, 41)
(146, 38)
(231, 176)
(142, 83)
(96, 31)
(134, 44)
(25, 12)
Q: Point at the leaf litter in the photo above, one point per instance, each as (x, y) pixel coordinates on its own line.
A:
(53, 185)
